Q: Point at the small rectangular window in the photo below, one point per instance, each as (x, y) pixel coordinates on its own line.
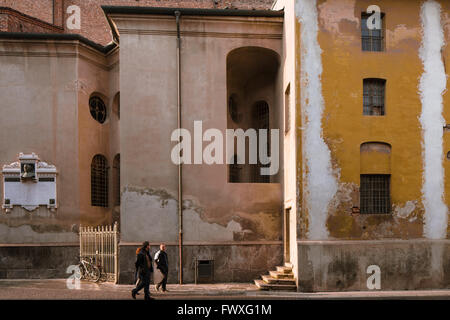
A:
(373, 97)
(375, 193)
(371, 39)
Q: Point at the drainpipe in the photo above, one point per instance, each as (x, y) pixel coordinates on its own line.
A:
(180, 189)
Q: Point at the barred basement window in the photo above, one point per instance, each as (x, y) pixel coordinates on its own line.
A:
(99, 181)
(372, 40)
(97, 108)
(373, 97)
(375, 193)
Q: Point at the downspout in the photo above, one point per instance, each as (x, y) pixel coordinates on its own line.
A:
(180, 189)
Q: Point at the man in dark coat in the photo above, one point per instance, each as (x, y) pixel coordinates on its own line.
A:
(162, 263)
(144, 266)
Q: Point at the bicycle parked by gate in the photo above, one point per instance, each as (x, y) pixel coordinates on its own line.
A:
(89, 270)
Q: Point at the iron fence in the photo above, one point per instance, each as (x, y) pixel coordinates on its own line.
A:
(101, 244)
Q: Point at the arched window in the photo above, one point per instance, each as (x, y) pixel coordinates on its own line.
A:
(233, 109)
(97, 108)
(116, 177)
(99, 181)
(235, 170)
(375, 178)
(261, 119)
(261, 115)
(116, 105)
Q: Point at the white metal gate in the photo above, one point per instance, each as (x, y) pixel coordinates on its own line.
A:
(101, 244)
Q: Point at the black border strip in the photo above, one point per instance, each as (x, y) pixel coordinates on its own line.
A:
(191, 11)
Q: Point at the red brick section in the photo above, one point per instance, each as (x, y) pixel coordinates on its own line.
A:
(93, 22)
(40, 9)
(15, 21)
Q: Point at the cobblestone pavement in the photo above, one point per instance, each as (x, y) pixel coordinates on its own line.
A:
(57, 289)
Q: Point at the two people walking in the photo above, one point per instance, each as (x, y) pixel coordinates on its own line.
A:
(144, 268)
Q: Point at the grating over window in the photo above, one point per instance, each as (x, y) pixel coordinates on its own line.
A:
(97, 108)
(261, 117)
(372, 39)
(375, 193)
(99, 181)
(373, 97)
(233, 109)
(235, 171)
(116, 187)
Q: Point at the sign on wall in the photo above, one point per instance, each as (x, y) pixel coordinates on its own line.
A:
(29, 183)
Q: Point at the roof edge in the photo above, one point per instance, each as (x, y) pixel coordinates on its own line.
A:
(191, 11)
(57, 36)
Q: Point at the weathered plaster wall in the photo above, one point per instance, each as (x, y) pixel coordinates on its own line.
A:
(214, 210)
(38, 114)
(114, 126)
(37, 262)
(410, 263)
(93, 139)
(345, 128)
(290, 142)
(404, 265)
(248, 261)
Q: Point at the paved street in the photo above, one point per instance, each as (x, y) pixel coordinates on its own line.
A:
(57, 289)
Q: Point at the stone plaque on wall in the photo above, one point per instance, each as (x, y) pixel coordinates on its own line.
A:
(29, 183)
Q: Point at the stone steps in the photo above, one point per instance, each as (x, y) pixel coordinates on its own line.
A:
(262, 285)
(272, 280)
(282, 279)
(284, 269)
(278, 275)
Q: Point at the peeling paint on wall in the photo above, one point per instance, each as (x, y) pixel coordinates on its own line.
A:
(405, 211)
(432, 86)
(321, 184)
(156, 210)
(35, 234)
(334, 14)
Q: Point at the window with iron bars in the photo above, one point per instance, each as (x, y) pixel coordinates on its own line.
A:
(261, 117)
(235, 171)
(372, 39)
(116, 176)
(99, 181)
(375, 194)
(373, 97)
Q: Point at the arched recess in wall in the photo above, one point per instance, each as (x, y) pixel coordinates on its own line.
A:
(375, 178)
(99, 181)
(251, 86)
(116, 105)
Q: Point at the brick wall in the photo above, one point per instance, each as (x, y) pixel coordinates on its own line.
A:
(15, 21)
(93, 22)
(40, 9)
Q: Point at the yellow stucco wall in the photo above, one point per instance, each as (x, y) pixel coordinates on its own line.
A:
(345, 128)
